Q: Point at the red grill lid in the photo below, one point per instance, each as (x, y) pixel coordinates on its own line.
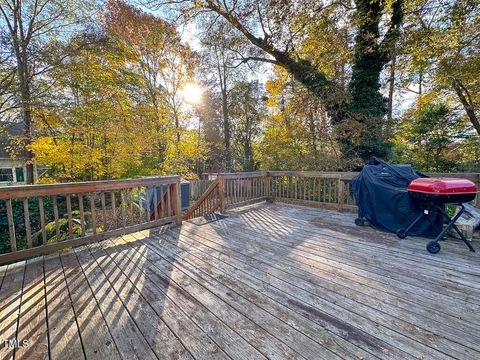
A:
(443, 186)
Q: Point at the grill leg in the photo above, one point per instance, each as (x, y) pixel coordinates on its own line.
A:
(451, 224)
(432, 223)
(413, 223)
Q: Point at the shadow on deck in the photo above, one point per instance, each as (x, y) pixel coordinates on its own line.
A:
(270, 281)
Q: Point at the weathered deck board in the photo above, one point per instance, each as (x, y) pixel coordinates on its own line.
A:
(217, 330)
(360, 268)
(199, 344)
(130, 343)
(354, 310)
(273, 318)
(32, 324)
(270, 281)
(97, 341)
(244, 327)
(64, 336)
(11, 293)
(162, 340)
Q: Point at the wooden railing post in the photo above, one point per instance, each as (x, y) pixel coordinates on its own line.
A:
(177, 202)
(267, 179)
(221, 192)
(341, 193)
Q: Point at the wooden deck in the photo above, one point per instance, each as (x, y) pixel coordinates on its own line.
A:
(271, 281)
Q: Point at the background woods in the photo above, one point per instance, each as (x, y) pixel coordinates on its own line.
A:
(111, 90)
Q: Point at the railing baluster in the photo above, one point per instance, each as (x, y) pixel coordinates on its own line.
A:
(124, 210)
(305, 184)
(295, 187)
(139, 199)
(26, 215)
(130, 195)
(280, 180)
(330, 191)
(69, 215)
(314, 189)
(162, 202)
(104, 210)
(114, 209)
(55, 218)
(169, 200)
(92, 212)
(82, 213)
(11, 226)
(42, 219)
(147, 205)
(341, 192)
(324, 180)
(155, 202)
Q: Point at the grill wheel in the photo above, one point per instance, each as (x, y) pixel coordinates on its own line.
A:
(433, 247)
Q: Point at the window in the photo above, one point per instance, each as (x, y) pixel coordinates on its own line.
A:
(6, 174)
(19, 174)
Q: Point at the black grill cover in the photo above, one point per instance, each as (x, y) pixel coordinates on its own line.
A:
(380, 191)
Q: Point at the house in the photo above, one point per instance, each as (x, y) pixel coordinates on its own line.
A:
(12, 170)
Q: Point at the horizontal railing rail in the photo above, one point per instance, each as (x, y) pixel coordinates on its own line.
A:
(45, 218)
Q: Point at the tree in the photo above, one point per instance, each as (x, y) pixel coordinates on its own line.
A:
(429, 136)
(118, 109)
(89, 133)
(29, 28)
(298, 134)
(223, 67)
(211, 122)
(163, 64)
(282, 26)
(441, 51)
(247, 111)
(368, 105)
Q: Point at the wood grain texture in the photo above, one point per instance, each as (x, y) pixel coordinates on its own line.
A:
(10, 295)
(11, 226)
(269, 281)
(26, 216)
(64, 334)
(32, 325)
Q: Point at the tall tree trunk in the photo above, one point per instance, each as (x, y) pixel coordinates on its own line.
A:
(26, 106)
(226, 131)
(20, 42)
(248, 156)
(313, 135)
(391, 89)
(177, 125)
(467, 102)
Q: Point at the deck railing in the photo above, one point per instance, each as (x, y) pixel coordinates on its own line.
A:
(318, 189)
(244, 188)
(197, 188)
(209, 202)
(46, 218)
(40, 219)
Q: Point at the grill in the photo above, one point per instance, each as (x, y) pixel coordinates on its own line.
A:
(432, 194)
